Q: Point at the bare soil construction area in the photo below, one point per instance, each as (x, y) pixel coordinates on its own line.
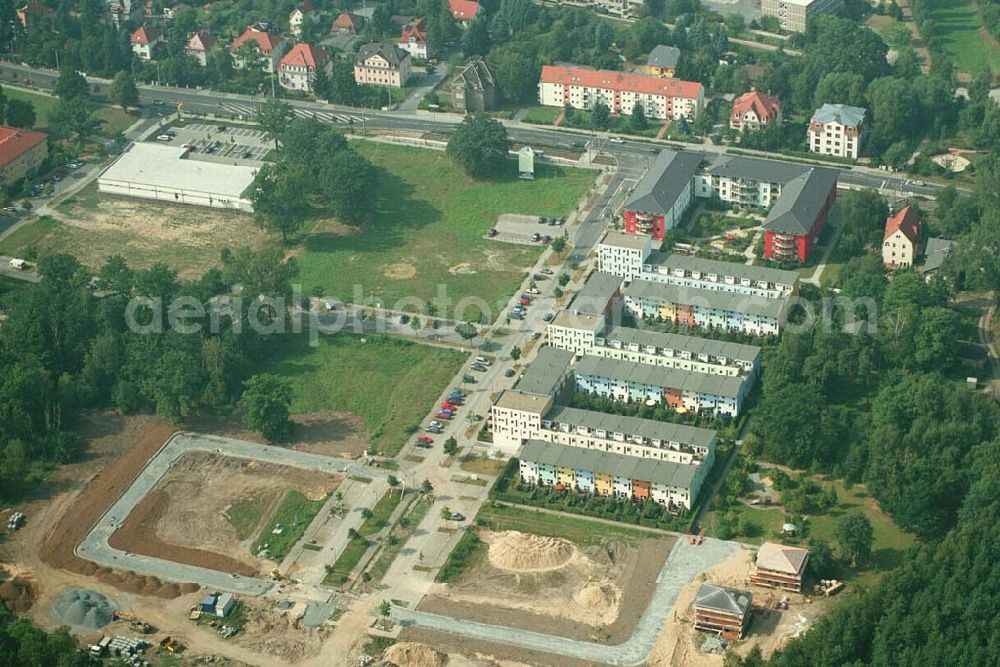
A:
(208, 510)
(329, 433)
(549, 585)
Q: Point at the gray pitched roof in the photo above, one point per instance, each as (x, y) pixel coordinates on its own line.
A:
(666, 178)
(691, 263)
(543, 374)
(591, 460)
(694, 344)
(650, 429)
(723, 598)
(475, 75)
(695, 296)
(664, 56)
(937, 251)
(756, 169)
(800, 201)
(392, 53)
(839, 113)
(594, 296)
(725, 386)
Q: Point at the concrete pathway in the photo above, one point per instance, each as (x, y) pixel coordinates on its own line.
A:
(427, 84)
(838, 220)
(685, 562)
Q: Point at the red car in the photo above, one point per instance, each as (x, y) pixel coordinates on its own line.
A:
(442, 415)
(448, 406)
(424, 439)
(525, 302)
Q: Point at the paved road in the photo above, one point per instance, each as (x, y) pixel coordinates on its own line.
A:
(424, 86)
(684, 564)
(95, 545)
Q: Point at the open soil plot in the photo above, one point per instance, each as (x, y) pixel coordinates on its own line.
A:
(209, 509)
(463, 651)
(550, 585)
(329, 432)
(93, 226)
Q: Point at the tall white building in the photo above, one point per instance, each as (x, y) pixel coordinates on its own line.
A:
(837, 129)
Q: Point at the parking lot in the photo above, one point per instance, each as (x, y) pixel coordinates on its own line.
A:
(512, 228)
(222, 143)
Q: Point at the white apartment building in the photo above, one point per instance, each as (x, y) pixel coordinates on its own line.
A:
(795, 15)
(622, 254)
(837, 129)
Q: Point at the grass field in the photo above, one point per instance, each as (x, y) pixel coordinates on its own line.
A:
(357, 547)
(389, 383)
(963, 36)
(427, 234)
(93, 226)
(244, 515)
(115, 120)
(541, 115)
(293, 515)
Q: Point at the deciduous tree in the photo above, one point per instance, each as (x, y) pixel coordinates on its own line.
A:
(266, 401)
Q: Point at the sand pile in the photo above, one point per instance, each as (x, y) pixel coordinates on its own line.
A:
(598, 596)
(18, 594)
(83, 608)
(412, 654)
(522, 552)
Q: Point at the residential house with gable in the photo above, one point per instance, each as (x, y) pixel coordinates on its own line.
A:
(413, 40)
(298, 68)
(268, 47)
(837, 129)
(304, 12)
(382, 65)
(901, 240)
(755, 110)
(145, 40)
(199, 44)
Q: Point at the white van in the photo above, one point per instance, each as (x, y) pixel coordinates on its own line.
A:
(483, 361)
(18, 264)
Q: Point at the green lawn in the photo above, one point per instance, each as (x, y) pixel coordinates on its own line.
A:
(427, 235)
(294, 514)
(357, 547)
(541, 115)
(388, 382)
(244, 515)
(963, 37)
(398, 537)
(115, 120)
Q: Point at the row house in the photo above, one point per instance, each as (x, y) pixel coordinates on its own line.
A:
(298, 68)
(257, 47)
(584, 334)
(682, 391)
(631, 257)
(629, 436)
(582, 88)
(837, 129)
(707, 309)
(672, 485)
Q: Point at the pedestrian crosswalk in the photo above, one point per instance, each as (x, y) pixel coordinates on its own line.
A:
(247, 111)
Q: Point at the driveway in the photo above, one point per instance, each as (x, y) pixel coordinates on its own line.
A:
(426, 85)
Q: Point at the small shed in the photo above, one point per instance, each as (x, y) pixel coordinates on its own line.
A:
(225, 604)
(971, 382)
(526, 163)
(208, 604)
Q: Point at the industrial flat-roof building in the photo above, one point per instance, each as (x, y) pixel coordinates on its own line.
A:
(167, 173)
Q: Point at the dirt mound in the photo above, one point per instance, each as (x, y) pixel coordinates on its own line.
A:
(412, 654)
(18, 594)
(83, 608)
(523, 552)
(401, 271)
(598, 596)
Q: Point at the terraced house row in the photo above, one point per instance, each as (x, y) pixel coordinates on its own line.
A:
(705, 309)
(632, 257)
(585, 471)
(682, 391)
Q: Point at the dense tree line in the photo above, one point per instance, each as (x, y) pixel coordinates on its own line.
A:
(23, 644)
(64, 350)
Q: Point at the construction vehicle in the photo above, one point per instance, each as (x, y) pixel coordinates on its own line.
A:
(171, 645)
(134, 623)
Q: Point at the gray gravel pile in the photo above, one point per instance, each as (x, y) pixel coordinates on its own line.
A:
(83, 608)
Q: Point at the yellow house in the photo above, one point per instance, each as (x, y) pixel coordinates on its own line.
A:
(605, 484)
(667, 311)
(566, 476)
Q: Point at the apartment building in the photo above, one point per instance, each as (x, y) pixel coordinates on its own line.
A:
(589, 335)
(382, 65)
(582, 88)
(663, 194)
(901, 238)
(797, 218)
(298, 68)
(631, 257)
(682, 391)
(754, 110)
(672, 485)
(21, 153)
(706, 309)
(837, 129)
(795, 15)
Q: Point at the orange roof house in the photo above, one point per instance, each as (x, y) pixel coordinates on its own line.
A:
(304, 56)
(21, 152)
(754, 110)
(901, 238)
(348, 22)
(620, 81)
(265, 41)
(463, 10)
(145, 36)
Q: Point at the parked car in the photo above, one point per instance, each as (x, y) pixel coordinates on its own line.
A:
(616, 140)
(164, 137)
(536, 335)
(540, 277)
(457, 516)
(516, 316)
(534, 291)
(560, 221)
(222, 128)
(549, 317)
(524, 302)
(436, 424)
(471, 379)
(546, 239)
(479, 367)
(435, 324)
(536, 236)
(509, 373)
(18, 264)
(433, 429)
(543, 220)
(423, 445)
(547, 271)
(443, 415)
(483, 360)
(424, 438)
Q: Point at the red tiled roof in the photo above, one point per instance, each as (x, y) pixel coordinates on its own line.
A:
(14, 142)
(766, 107)
(905, 221)
(414, 30)
(608, 80)
(304, 55)
(145, 35)
(201, 40)
(347, 21)
(463, 10)
(265, 41)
